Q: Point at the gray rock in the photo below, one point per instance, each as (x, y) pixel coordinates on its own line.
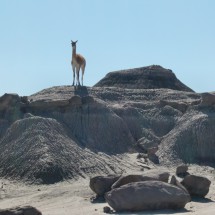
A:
(102, 184)
(147, 195)
(157, 175)
(175, 182)
(106, 210)
(196, 185)
(26, 210)
(182, 170)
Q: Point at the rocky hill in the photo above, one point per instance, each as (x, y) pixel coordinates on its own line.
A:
(69, 132)
(150, 77)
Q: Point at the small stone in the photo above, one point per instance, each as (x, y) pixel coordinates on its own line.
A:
(106, 210)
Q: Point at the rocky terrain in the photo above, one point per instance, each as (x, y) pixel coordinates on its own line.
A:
(70, 132)
(130, 121)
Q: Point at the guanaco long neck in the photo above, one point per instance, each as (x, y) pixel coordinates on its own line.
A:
(73, 52)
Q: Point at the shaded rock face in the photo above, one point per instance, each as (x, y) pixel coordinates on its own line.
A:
(151, 77)
(26, 210)
(196, 185)
(147, 195)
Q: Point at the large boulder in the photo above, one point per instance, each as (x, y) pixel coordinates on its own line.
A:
(102, 184)
(196, 185)
(147, 195)
(156, 175)
(26, 210)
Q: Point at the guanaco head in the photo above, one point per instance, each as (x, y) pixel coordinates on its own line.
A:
(74, 43)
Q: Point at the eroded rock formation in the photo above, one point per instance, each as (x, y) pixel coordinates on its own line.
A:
(84, 131)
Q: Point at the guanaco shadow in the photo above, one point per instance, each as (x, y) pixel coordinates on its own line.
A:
(81, 91)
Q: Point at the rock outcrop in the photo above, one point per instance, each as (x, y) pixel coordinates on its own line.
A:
(70, 132)
(150, 77)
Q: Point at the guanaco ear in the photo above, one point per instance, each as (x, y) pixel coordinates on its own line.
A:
(76, 41)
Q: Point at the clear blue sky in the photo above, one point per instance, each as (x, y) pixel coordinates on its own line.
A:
(35, 50)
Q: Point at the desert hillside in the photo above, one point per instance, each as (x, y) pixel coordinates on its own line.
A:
(67, 132)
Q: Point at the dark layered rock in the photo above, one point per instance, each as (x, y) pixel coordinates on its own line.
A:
(147, 195)
(196, 185)
(150, 77)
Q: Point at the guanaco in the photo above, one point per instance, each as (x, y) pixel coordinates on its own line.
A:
(78, 62)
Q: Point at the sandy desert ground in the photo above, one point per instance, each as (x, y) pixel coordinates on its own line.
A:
(73, 197)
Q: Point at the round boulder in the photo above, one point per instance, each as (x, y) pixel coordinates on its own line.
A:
(102, 184)
(147, 195)
(196, 185)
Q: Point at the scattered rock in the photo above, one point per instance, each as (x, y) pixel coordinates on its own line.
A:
(146, 176)
(107, 210)
(147, 195)
(26, 210)
(102, 184)
(182, 170)
(196, 185)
